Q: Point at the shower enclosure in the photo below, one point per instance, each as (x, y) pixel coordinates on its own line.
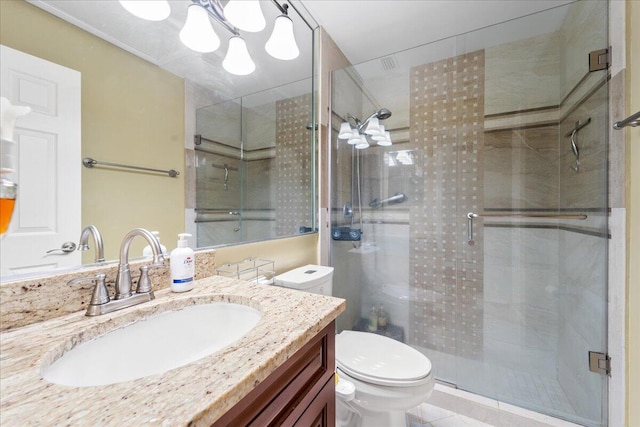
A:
(493, 263)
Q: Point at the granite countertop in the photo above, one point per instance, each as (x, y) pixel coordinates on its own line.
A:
(195, 394)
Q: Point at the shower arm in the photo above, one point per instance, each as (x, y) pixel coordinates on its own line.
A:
(396, 198)
(361, 124)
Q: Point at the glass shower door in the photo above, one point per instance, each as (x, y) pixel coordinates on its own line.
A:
(531, 291)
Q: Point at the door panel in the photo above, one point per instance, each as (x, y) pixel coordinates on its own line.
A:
(48, 207)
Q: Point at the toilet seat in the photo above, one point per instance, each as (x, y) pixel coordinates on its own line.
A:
(380, 360)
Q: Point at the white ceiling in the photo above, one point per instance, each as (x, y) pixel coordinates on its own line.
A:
(365, 30)
(158, 43)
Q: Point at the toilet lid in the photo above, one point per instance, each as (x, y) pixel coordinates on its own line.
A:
(379, 360)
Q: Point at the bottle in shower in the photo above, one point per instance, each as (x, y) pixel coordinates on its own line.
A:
(382, 318)
(373, 319)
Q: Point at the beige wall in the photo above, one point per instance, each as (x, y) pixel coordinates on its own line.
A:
(633, 215)
(132, 113)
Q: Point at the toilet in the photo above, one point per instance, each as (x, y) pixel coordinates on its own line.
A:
(379, 378)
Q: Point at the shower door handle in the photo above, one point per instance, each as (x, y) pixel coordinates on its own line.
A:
(470, 217)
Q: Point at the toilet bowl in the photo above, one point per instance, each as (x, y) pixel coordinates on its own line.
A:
(380, 378)
(389, 378)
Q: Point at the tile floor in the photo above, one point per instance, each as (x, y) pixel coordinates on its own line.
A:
(427, 415)
(450, 407)
(500, 379)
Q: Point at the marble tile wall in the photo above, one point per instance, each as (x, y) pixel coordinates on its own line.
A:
(249, 188)
(211, 191)
(521, 168)
(293, 164)
(521, 288)
(259, 191)
(447, 124)
(582, 31)
(523, 74)
(582, 320)
(585, 188)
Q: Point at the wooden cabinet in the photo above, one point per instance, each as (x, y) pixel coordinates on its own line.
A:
(301, 392)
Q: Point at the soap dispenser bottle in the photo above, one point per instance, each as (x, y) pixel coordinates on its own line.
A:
(182, 265)
(147, 252)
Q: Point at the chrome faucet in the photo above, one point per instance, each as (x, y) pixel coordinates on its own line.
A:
(123, 281)
(100, 302)
(97, 239)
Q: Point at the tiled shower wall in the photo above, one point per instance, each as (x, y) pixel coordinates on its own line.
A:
(293, 164)
(447, 125)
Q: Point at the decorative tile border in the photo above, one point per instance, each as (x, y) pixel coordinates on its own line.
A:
(447, 124)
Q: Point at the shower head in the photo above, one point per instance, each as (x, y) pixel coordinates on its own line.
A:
(382, 114)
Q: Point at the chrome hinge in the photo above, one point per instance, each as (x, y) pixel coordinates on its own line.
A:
(599, 363)
(599, 60)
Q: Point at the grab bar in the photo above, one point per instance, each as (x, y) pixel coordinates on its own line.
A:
(89, 163)
(574, 144)
(218, 211)
(633, 121)
(397, 198)
(471, 216)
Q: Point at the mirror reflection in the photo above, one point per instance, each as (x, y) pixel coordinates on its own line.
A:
(138, 96)
(253, 166)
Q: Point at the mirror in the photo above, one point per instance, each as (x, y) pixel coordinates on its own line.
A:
(144, 96)
(253, 166)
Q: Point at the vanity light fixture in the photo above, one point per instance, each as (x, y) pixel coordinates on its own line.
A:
(345, 131)
(246, 15)
(197, 33)
(373, 128)
(387, 141)
(238, 61)
(363, 143)
(282, 43)
(363, 132)
(354, 139)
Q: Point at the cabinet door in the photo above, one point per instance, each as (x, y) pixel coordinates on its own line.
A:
(322, 411)
(287, 394)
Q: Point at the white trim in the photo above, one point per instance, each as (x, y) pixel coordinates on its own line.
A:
(616, 317)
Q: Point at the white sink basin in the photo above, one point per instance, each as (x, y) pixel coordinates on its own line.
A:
(152, 346)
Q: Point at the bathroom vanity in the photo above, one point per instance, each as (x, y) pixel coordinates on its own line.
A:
(280, 372)
(300, 392)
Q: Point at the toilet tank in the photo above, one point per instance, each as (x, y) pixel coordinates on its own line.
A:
(316, 279)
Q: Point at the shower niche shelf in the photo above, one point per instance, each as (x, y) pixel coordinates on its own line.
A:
(391, 331)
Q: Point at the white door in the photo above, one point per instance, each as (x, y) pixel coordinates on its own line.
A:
(47, 212)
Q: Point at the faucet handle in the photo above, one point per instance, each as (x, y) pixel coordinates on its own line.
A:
(144, 283)
(100, 292)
